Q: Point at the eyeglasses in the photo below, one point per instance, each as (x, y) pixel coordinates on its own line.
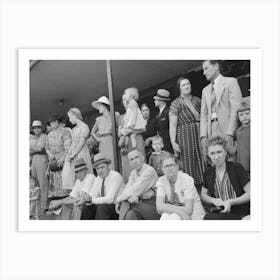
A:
(169, 166)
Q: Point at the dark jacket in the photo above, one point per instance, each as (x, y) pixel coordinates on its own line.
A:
(163, 129)
(151, 128)
(238, 178)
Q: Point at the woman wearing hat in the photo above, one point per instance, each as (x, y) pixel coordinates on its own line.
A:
(184, 117)
(102, 129)
(39, 160)
(80, 132)
(57, 146)
(160, 100)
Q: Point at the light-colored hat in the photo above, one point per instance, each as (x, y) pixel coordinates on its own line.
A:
(37, 124)
(162, 94)
(100, 158)
(80, 164)
(102, 99)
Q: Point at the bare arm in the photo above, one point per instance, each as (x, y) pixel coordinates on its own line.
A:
(209, 199)
(163, 207)
(172, 132)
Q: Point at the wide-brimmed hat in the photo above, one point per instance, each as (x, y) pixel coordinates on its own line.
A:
(80, 164)
(55, 118)
(102, 99)
(100, 158)
(37, 124)
(162, 94)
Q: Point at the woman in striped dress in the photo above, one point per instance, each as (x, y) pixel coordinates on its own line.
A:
(184, 119)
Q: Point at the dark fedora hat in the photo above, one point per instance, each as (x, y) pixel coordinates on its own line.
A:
(100, 158)
(80, 164)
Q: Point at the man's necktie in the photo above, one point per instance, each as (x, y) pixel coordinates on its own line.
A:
(213, 99)
(174, 198)
(103, 188)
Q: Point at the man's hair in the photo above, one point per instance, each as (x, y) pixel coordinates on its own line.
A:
(213, 62)
(157, 137)
(134, 149)
(176, 160)
(244, 106)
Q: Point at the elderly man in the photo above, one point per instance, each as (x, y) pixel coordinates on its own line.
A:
(137, 201)
(220, 100)
(106, 187)
(69, 207)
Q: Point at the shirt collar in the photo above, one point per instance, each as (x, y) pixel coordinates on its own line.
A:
(217, 80)
(160, 110)
(141, 170)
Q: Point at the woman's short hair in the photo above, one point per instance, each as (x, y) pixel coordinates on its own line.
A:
(76, 112)
(144, 105)
(244, 106)
(176, 160)
(217, 141)
(133, 92)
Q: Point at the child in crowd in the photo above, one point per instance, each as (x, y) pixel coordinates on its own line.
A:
(134, 122)
(158, 155)
(242, 136)
(34, 197)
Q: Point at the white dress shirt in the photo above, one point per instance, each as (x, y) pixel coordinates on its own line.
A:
(185, 189)
(83, 186)
(113, 185)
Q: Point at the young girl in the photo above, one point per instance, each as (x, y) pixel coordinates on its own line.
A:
(242, 136)
(34, 197)
(134, 122)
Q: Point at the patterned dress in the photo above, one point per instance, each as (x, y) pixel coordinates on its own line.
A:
(57, 145)
(187, 136)
(80, 131)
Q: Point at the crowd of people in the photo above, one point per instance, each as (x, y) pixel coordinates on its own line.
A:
(190, 162)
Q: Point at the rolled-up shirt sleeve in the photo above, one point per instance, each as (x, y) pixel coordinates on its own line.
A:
(142, 183)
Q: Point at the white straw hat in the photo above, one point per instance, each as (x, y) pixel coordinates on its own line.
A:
(37, 124)
(102, 99)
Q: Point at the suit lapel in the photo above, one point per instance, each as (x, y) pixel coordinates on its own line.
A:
(221, 87)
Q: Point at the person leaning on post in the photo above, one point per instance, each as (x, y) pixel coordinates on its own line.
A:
(106, 187)
(137, 200)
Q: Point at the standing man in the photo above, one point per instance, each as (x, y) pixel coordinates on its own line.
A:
(220, 100)
(160, 100)
(106, 187)
(137, 201)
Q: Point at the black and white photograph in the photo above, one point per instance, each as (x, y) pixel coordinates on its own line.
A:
(139, 139)
(145, 139)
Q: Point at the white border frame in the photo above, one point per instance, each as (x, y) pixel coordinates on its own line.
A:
(254, 55)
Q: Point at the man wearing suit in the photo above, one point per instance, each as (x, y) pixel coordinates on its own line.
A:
(160, 100)
(220, 100)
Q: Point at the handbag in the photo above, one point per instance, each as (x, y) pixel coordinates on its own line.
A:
(54, 167)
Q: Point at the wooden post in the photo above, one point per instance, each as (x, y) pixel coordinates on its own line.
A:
(112, 111)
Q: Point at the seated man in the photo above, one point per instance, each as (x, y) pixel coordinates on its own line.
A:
(137, 201)
(69, 207)
(106, 187)
(177, 197)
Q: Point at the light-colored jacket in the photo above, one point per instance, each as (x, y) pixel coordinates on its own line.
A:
(229, 98)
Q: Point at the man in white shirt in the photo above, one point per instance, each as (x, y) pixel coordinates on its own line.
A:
(219, 103)
(106, 187)
(69, 207)
(177, 197)
(137, 200)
